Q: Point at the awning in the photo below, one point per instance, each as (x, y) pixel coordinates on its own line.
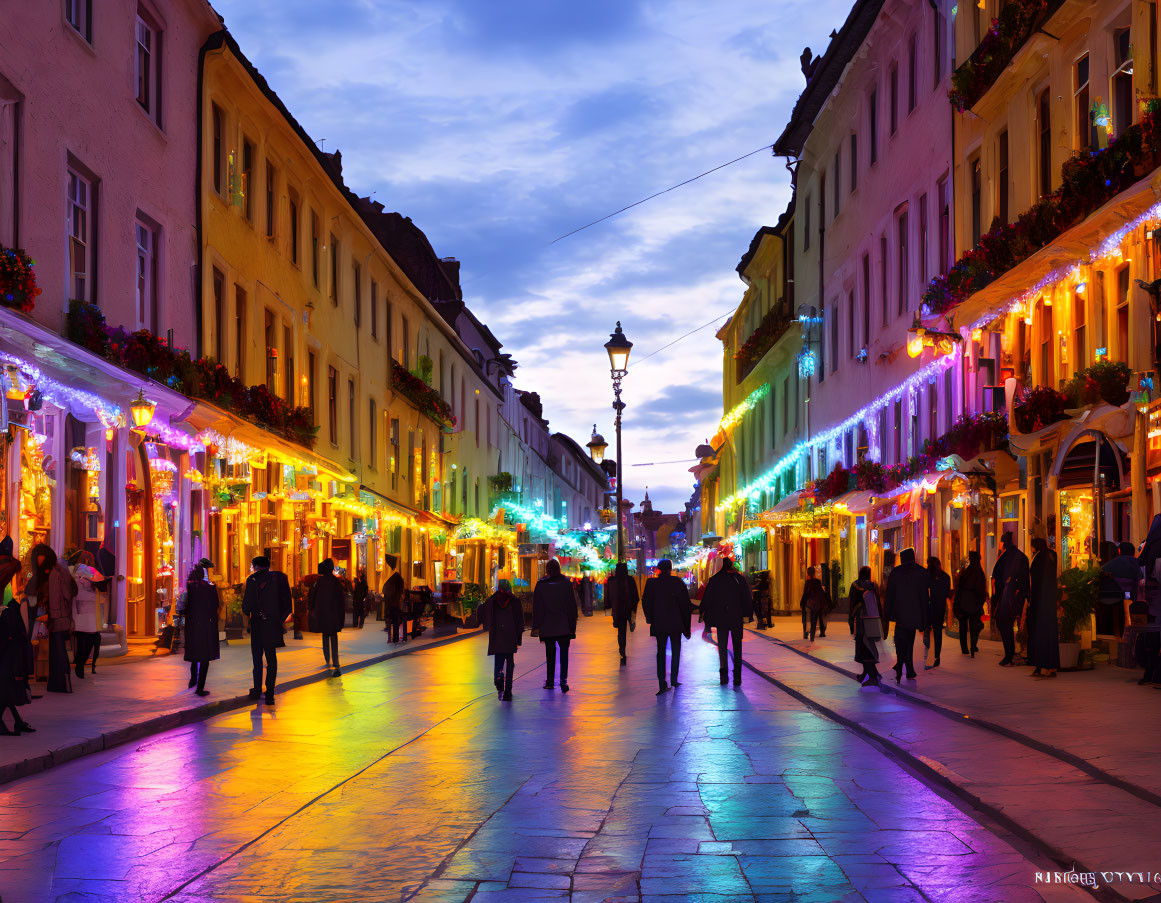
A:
(856, 502)
(789, 503)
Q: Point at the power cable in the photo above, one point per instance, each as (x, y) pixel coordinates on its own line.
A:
(680, 337)
(659, 193)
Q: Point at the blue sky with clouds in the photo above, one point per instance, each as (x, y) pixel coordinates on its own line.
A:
(498, 125)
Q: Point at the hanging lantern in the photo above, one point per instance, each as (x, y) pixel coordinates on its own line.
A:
(142, 411)
(914, 345)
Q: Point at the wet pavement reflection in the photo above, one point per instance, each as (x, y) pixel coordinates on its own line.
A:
(409, 780)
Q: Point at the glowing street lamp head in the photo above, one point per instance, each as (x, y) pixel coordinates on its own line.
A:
(618, 347)
(914, 345)
(597, 446)
(141, 411)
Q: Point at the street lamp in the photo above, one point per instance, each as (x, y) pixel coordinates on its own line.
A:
(597, 446)
(618, 347)
(141, 410)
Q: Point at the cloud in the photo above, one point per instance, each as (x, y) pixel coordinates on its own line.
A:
(499, 126)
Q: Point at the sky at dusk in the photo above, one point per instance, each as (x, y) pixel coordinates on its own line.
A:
(499, 125)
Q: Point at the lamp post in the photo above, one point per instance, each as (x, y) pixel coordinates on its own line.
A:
(618, 347)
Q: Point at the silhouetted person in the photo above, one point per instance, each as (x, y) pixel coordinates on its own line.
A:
(56, 587)
(866, 623)
(327, 603)
(503, 618)
(622, 597)
(266, 599)
(814, 605)
(15, 651)
(1010, 581)
(906, 597)
(939, 593)
(359, 600)
(665, 602)
(971, 592)
(554, 614)
(201, 628)
(728, 601)
(764, 601)
(394, 599)
(1043, 626)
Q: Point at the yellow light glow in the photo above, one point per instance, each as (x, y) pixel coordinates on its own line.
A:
(914, 345)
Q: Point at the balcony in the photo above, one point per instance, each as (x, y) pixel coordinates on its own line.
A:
(423, 396)
(763, 338)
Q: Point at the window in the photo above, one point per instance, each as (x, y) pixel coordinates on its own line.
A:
(821, 202)
(903, 261)
(146, 282)
(923, 239)
(375, 310)
(270, 339)
(394, 462)
(352, 435)
(944, 226)
(854, 161)
(79, 14)
(912, 73)
(1086, 138)
(937, 48)
(932, 411)
(851, 336)
(218, 286)
(893, 99)
(897, 435)
(357, 279)
(239, 332)
(372, 433)
(976, 176)
(1079, 347)
(147, 70)
(311, 366)
(913, 432)
(333, 405)
(218, 126)
(314, 247)
(1122, 87)
(288, 363)
(873, 138)
(866, 299)
(247, 178)
(11, 102)
(334, 270)
(82, 237)
(834, 336)
(1044, 154)
(949, 398)
(882, 437)
(883, 263)
(806, 225)
(293, 226)
(405, 351)
(1121, 352)
(271, 208)
(838, 193)
(1002, 179)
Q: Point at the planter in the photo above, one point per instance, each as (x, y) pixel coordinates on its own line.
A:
(1069, 654)
(234, 633)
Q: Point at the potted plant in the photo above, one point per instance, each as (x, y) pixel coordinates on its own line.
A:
(1078, 601)
(232, 611)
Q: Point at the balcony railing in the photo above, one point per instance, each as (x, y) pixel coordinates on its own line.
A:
(763, 338)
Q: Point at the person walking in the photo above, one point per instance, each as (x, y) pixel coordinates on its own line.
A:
(1043, 627)
(938, 596)
(906, 597)
(554, 614)
(266, 600)
(814, 605)
(1010, 590)
(327, 604)
(394, 598)
(668, 610)
(622, 597)
(971, 592)
(728, 601)
(359, 600)
(503, 617)
(202, 605)
(54, 581)
(15, 657)
(764, 601)
(866, 623)
(86, 632)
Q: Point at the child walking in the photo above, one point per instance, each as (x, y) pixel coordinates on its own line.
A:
(503, 618)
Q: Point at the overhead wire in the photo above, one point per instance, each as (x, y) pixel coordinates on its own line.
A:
(680, 337)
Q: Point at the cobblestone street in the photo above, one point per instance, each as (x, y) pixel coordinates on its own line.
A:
(409, 780)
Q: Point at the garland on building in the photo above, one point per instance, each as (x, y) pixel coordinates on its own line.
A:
(1088, 180)
(969, 436)
(1009, 31)
(423, 396)
(18, 288)
(769, 331)
(203, 378)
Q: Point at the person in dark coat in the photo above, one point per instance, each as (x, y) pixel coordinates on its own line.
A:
(1117, 585)
(1010, 590)
(728, 601)
(1043, 627)
(55, 576)
(815, 603)
(971, 593)
(907, 599)
(266, 600)
(622, 597)
(15, 650)
(503, 617)
(201, 628)
(939, 594)
(359, 600)
(764, 601)
(395, 600)
(665, 602)
(554, 614)
(327, 602)
(864, 613)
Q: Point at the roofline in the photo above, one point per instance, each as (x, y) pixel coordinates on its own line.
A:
(574, 447)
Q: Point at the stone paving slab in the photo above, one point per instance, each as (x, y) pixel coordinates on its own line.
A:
(138, 698)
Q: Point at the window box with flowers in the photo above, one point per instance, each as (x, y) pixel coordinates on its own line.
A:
(423, 396)
(18, 288)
